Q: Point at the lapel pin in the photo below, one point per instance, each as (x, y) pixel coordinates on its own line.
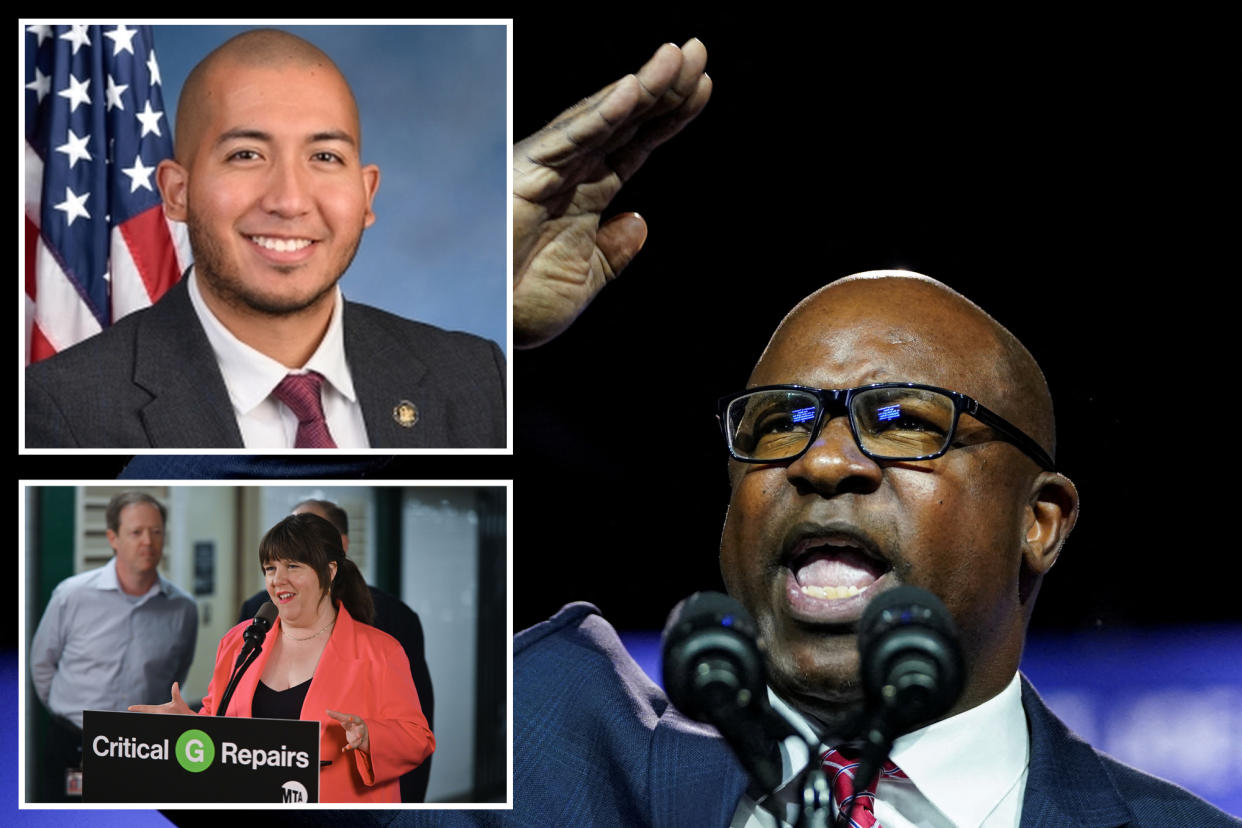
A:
(405, 414)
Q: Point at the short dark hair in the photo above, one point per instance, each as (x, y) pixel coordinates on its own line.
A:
(333, 513)
(112, 517)
(307, 538)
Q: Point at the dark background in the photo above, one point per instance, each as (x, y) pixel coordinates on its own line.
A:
(1062, 173)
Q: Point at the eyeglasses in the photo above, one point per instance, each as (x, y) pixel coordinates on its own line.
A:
(889, 421)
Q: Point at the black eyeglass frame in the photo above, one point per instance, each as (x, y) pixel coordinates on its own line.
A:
(843, 397)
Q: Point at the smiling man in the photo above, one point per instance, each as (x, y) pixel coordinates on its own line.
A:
(257, 348)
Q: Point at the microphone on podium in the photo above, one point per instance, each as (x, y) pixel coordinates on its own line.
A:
(911, 665)
(253, 638)
(257, 631)
(912, 670)
(714, 673)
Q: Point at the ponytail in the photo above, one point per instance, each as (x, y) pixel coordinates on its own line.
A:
(350, 588)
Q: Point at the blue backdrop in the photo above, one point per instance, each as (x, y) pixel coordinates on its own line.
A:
(433, 106)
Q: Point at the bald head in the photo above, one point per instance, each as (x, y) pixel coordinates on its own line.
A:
(978, 525)
(327, 510)
(269, 49)
(937, 336)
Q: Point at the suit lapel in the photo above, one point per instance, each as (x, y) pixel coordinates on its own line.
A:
(338, 664)
(1067, 784)
(174, 363)
(388, 379)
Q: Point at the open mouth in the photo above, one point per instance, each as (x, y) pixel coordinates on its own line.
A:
(284, 597)
(831, 577)
(835, 568)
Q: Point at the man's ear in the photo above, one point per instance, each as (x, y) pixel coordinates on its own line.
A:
(174, 183)
(1052, 512)
(370, 183)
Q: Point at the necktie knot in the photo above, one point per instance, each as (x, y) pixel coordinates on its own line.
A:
(841, 764)
(300, 393)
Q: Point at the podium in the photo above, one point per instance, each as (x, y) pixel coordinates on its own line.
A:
(143, 758)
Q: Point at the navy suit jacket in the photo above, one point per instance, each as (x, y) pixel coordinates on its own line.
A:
(597, 743)
(151, 381)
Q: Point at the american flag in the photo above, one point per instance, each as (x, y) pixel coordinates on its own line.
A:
(97, 243)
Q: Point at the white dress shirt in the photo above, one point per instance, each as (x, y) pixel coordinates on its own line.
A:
(98, 648)
(968, 771)
(251, 376)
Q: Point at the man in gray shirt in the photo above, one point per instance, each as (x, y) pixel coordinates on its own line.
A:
(113, 636)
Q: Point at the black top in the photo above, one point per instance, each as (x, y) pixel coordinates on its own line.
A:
(278, 704)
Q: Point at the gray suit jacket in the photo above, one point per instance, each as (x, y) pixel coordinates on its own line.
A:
(151, 381)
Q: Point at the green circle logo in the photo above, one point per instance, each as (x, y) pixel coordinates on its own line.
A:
(195, 751)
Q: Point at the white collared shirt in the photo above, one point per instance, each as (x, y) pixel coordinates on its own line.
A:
(968, 771)
(251, 376)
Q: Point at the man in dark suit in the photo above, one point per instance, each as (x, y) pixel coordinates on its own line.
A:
(391, 616)
(257, 348)
(151, 381)
(838, 497)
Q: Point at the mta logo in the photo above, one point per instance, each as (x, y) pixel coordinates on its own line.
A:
(293, 791)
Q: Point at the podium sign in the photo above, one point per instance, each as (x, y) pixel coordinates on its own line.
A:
(147, 758)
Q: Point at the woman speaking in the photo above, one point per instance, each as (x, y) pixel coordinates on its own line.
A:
(323, 663)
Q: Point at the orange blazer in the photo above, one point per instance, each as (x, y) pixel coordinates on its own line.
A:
(362, 671)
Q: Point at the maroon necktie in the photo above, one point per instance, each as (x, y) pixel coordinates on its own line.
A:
(300, 392)
(840, 767)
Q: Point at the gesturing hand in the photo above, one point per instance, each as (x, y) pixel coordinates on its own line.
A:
(177, 705)
(355, 731)
(567, 173)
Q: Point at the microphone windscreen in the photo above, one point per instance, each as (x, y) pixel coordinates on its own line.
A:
(266, 614)
(905, 605)
(714, 673)
(707, 609)
(710, 628)
(911, 659)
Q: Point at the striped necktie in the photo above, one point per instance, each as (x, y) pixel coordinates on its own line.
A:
(300, 392)
(840, 765)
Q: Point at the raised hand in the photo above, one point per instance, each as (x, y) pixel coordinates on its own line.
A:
(567, 173)
(177, 705)
(355, 731)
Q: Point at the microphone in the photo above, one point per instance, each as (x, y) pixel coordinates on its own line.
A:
(714, 673)
(257, 631)
(912, 670)
(253, 638)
